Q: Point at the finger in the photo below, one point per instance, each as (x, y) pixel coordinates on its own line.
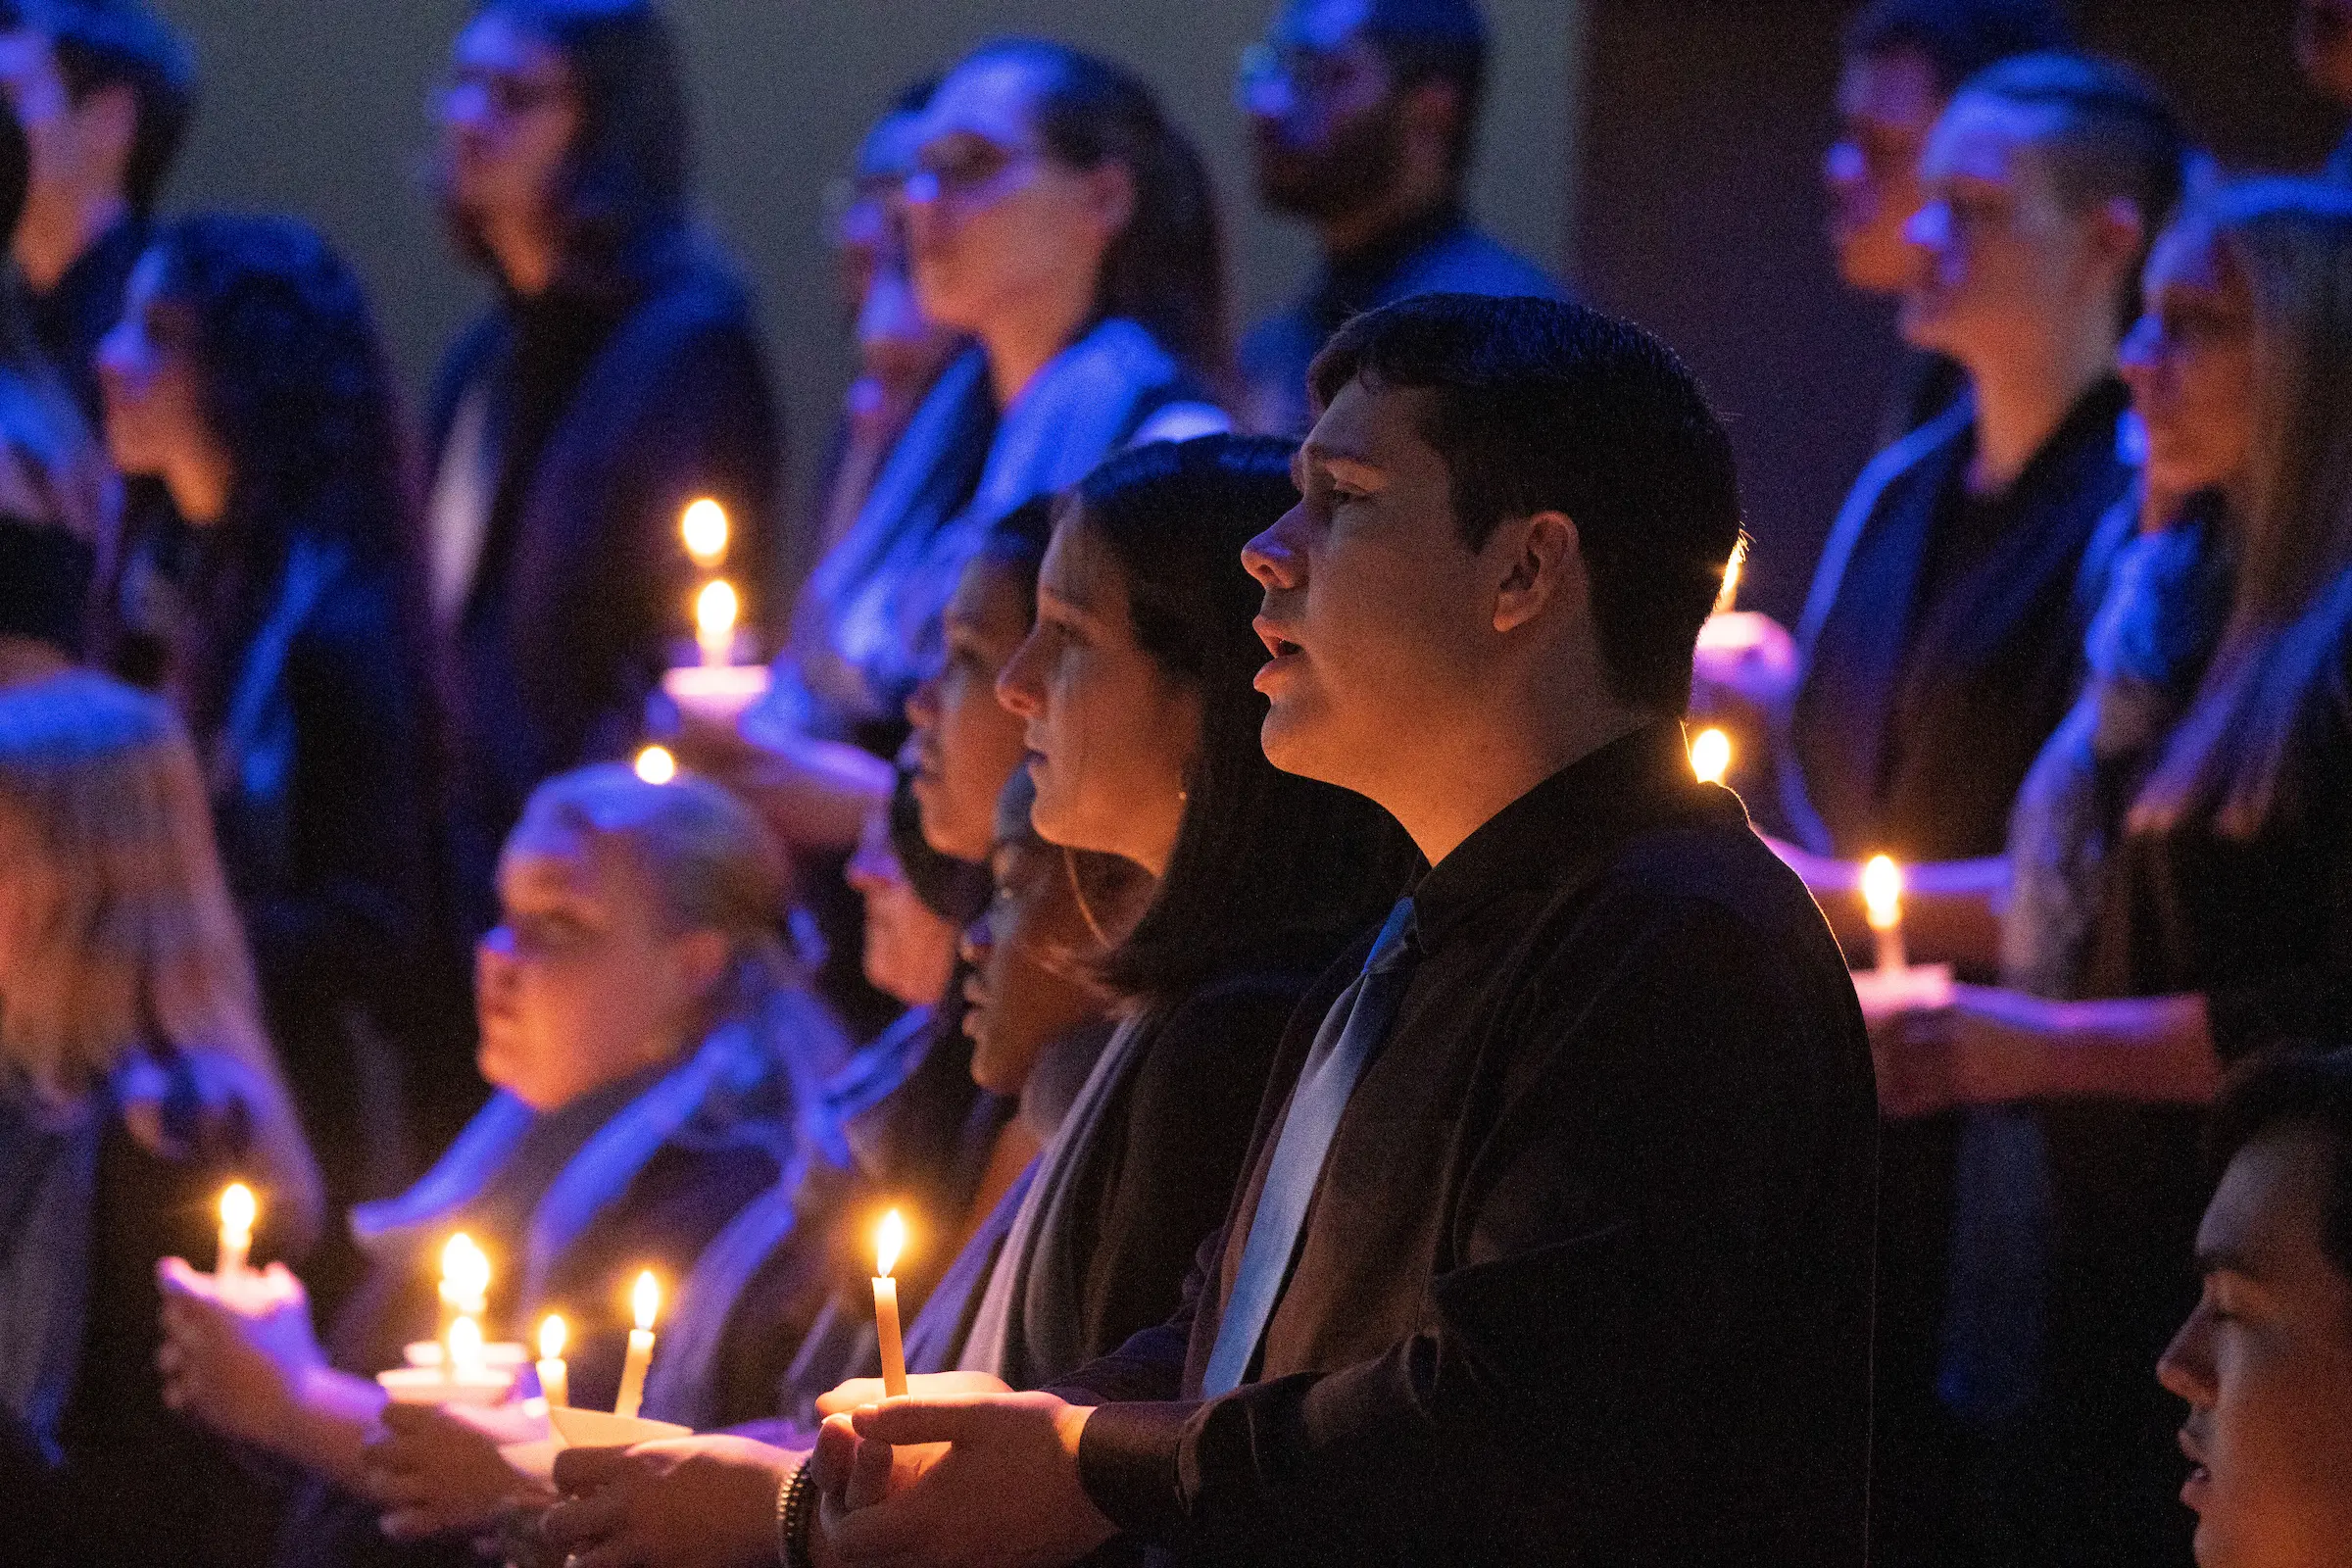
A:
(850, 1396)
(585, 1470)
(835, 1456)
(951, 1418)
(870, 1475)
(583, 1521)
(619, 1554)
(885, 1532)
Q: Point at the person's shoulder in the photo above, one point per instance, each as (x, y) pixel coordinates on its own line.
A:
(1470, 261)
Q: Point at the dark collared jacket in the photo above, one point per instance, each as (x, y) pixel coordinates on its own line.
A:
(1587, 1278)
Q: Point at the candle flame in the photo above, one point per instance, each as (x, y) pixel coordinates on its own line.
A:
(464, 1269)
(889, 1242)
(238, 1209)
(647, 1299)
(656, 765)
(716, 609)
(1711, 756)
(705, 529)
(465, 1344)
(1882, 893)
(1727, 598)
(551, 1338)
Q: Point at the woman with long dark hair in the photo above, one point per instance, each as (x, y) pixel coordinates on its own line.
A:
(247, 375)
(618, 377)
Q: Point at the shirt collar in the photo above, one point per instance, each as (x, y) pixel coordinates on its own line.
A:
(1561, 832)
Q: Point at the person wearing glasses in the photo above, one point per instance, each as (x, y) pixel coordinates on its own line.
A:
(1363, 116)
(618, 376)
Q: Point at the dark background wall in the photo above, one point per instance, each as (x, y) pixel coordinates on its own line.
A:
(1700, 213)
(319, 107)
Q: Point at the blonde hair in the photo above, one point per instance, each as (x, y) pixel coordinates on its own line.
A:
(2290, 520)
(711, 861)
(125, 937)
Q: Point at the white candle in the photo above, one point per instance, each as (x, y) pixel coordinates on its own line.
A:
(889, 1242)
(647, 1301)
(237, 1211)
(705, 529)
(465, 1350)
(464, 1282)
(1711, 756)
(554, 1378)
(714, 610)
(1883, 900)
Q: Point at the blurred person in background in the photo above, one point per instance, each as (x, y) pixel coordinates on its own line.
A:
(1364, 123)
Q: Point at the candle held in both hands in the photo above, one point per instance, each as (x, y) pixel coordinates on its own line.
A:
(555, 1381)
(1883, 902)
(889, 1242)
(646, 1300)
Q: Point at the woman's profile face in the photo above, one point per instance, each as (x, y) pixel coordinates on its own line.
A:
(507, 114)
(580, 984)
(2189, 363)
(966, 744)
(2006, 265)
(1027, 986)
(148, 370)
(998, 227)
(1112, 736)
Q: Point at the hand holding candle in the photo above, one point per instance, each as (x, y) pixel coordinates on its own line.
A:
(704, 527)
(889, 1242)
(554, 1378)
(1883, 902)
(237, 1212)
(647, 1301)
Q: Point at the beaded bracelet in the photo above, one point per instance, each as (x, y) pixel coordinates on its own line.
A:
(796, 1511)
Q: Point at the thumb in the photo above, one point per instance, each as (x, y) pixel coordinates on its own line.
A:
(947, 1419)
(579, 1471)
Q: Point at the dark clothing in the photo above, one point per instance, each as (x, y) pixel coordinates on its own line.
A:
(316, 740)
(1438, 253)
(45, 578)
(1586, 1279)
(1942, 639)
(603, 415)
(1926, 385)
(83, 306)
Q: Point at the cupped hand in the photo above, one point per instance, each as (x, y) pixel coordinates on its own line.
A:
(858, 1392)
(705, 1501)
(235, 1360)
(436, 1471)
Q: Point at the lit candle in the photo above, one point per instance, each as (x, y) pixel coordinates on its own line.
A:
(238, 1209)
(715, 612)
(464, 1282)
(554, 1378)
(1711, 756)
(647, 1301)
(1883, 899)
(705, 529)
(656, 765)
(889, 1242)
(465, 1347)
(1727, 598)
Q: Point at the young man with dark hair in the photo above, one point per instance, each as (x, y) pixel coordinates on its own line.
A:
(2265, 1361)
(1904, 59)
(1554, 1241)
(105, 93)
(1363, 117)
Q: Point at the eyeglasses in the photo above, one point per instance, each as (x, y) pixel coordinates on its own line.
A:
(505, 94)
(963, 165)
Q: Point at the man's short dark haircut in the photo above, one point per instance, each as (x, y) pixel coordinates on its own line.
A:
(1541, 405)
(2293, 1089)
(1958, 37)
(120, 43)
(1436, 40)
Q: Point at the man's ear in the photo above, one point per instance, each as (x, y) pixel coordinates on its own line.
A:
(1542, 559)
(1433, 111)
(703, 958)
(2119, 232)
